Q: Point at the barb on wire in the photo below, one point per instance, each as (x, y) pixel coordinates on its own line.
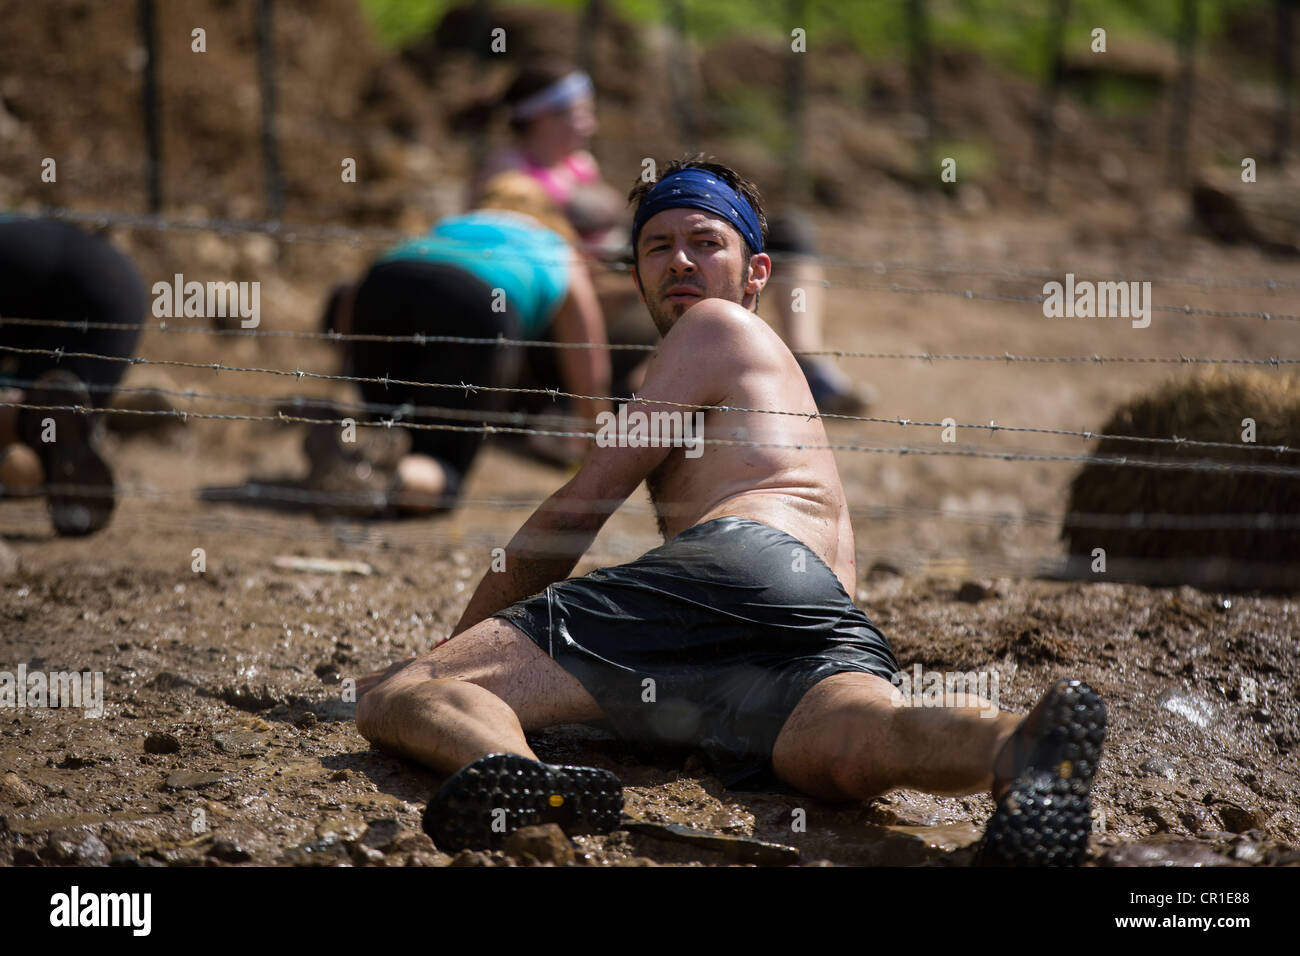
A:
(553, 393)
(1121, 461)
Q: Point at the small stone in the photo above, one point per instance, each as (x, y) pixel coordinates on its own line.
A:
(1158, 817)
(1239, 819)
(229, 851)
(1248, 852)
(14, 791)
(972, 592)
(71, 762)
(363, 855)
(1199, 819)
(546, 842)
(382, 834)
(240, 743)
(9, 561)
(341, 776)
(471, 858)
(76, 847)
(1170, 853)
(160, 743)
(307, 720)
(883, 569)
(184, 780)
(1157, 767)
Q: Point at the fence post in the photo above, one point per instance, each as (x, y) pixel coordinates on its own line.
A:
(920, 90)
(1181, 116)
(1047, 116)
(149, 103)
(679, 79)
(593, 15)
(480, 137)
(796, 96)
(266, 78)
(1285, 80)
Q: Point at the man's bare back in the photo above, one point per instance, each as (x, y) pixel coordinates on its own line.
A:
(795, 490)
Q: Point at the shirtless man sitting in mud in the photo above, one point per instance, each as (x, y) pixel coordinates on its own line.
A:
(738, 635)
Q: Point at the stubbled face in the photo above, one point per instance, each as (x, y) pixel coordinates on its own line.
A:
(687, 255)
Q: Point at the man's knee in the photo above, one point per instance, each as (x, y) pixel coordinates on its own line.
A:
(381, 707)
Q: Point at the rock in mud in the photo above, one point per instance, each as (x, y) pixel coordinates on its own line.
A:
(546, 843)
(9, 562)
(184, 780)
(972, 592)
(76, 848)
(1163, 853)
(1239, 819)
(472, 858)
(14, 792)
(327, 851)
(240, 743)
(382, 834)
(161, 743)
(228, 851)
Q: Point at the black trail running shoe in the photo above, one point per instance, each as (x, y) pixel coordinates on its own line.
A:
(82, 497)
(1044, 816)
(487, 800)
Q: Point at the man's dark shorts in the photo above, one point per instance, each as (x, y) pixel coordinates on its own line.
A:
(732, 620)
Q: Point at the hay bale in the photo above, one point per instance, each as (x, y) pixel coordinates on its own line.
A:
(1204, 407)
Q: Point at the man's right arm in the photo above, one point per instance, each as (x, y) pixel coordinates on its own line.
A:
(693, 365)
(543, 551)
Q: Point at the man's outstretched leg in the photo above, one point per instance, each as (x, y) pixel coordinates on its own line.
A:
(850, 738)
(464, 707)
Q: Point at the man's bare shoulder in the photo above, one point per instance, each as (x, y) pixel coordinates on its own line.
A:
(716, 328)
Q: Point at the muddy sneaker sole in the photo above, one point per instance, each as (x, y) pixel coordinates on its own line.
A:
(1046, 817)
(487, 800)
(81, 499)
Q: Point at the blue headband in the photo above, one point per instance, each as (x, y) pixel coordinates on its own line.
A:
(700, 189)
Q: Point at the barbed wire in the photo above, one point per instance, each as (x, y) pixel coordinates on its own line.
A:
(928, 357)
(406, 410)
(321, 232)
(277, 492)
(1121, 461)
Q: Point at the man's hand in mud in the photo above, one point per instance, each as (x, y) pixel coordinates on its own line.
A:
(373, 679)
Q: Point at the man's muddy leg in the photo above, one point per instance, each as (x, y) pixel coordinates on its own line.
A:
(474, 695)
(848, 739)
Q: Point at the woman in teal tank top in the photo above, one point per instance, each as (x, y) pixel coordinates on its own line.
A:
(506, 270)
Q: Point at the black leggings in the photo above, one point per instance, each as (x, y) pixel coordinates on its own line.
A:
(53, 270)
(408, 297)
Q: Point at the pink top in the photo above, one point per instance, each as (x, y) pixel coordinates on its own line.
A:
(579, 170)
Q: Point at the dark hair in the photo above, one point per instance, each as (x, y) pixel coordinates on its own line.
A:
(728, 175)
(478, 112)
(529, 80)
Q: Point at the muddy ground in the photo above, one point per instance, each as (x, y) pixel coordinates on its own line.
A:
(225, 738)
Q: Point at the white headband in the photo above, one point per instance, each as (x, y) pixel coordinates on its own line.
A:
(559, 93)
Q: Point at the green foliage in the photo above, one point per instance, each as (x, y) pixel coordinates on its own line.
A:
(1011, 32)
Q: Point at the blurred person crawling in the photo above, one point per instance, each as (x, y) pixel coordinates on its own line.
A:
(54, 271)
(507, 269)
(737, 636)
